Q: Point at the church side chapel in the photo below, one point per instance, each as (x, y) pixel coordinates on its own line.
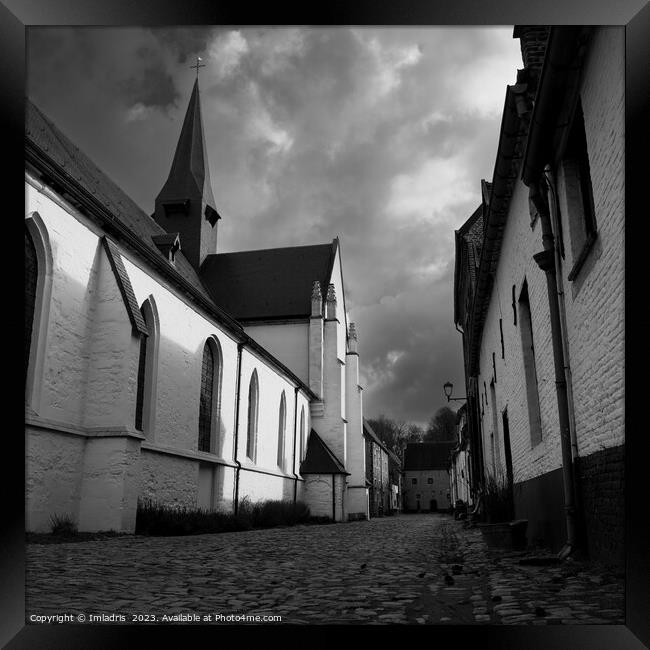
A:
(159, 368)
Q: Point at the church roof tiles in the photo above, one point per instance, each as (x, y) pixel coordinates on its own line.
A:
(270, 284)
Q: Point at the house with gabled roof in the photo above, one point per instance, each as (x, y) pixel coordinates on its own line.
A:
(541, 312)
(426, 476)
(159, 368)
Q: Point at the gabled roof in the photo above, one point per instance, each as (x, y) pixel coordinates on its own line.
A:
(370, 432)
(269, 284)
(46, 141)
(427, 455)
(320, 459)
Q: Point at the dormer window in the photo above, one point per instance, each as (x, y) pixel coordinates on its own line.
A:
(168, 244)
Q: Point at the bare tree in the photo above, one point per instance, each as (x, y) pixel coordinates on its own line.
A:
(442, 426)
(396, 434)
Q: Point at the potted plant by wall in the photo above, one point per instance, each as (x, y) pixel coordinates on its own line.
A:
(502, 530)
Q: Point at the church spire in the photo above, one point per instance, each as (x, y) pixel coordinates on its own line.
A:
(186, 204)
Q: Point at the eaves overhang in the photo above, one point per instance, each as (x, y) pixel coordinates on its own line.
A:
(506, 175)
(555, 98)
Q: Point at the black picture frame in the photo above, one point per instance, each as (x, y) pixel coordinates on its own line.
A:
(17, 15)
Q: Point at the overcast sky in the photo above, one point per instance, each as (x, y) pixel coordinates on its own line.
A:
(377, 136)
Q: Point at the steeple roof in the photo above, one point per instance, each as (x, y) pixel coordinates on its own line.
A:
(190, 174)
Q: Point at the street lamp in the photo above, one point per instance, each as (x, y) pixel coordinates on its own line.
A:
(448, 387)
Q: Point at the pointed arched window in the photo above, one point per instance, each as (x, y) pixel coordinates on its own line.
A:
(302, 434)
(282, 427)
(31, 280)
(38, 291)
(210, 397)
(142, 365)
(253, 408)
(147, 365)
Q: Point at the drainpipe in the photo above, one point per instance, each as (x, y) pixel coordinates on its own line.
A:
(546, 261)
(334, 498)
(295, 431)
(554, 209)
(237, 393)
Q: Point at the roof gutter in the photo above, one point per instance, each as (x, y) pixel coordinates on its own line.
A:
(513, 129)
(561, 72)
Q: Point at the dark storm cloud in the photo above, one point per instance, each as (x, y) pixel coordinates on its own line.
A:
(153, 87)
(377, 136)
(186, 43)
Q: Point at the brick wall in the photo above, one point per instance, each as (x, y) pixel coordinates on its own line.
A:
(595, 299)
(594, 304)
(602, 490)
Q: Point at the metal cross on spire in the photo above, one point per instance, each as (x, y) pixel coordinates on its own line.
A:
(198, 65)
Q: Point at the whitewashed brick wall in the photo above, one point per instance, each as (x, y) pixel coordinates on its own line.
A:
(594, 301)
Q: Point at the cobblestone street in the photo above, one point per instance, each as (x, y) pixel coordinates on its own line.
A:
(418, 569)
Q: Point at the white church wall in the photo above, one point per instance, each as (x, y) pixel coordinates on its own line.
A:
(286, 341)
(341, 331)
(169, 479)
(271, 482)
(318, 494)
(331, 426)
(54, 462)
(110, 483)
(183, 334)
(357, 499)
(75, 256)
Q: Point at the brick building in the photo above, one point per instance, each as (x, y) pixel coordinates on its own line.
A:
(426, 476)
(378, 477)
(539, 293)
(159, 368)
(460, 473)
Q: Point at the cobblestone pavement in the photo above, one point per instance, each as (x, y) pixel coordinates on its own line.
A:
(419, 569)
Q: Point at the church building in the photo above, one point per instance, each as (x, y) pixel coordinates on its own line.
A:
(160, 368)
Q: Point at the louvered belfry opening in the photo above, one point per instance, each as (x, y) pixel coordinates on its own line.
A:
(205, 406)
(31, 276)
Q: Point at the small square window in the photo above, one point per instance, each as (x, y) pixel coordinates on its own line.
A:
(430, 481)
(414, 481)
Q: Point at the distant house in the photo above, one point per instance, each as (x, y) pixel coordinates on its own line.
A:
(460, 469)
(377, 473)
(395, 481)
(426, 476)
